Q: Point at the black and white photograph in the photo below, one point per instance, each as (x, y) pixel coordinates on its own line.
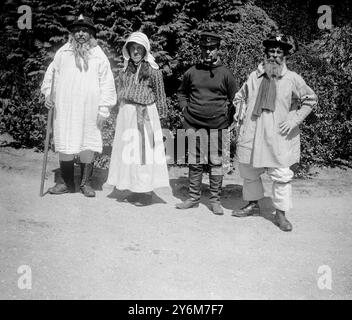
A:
(173, 150)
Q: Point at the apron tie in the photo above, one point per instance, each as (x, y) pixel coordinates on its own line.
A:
(143, 120)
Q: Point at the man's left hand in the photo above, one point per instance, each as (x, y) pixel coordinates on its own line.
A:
(100, 121)
(287, 126)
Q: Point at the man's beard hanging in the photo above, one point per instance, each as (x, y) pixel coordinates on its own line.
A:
(81, 52)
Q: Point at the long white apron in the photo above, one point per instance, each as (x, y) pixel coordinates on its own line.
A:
(127, 170)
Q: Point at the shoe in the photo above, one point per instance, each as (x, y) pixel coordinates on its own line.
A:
(282, 221)
(216, 208)
(251, 209)
(187, 204)
(60, 188)
(86, 177)
(66, 179)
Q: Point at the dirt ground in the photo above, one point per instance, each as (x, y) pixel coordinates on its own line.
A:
(106, 248)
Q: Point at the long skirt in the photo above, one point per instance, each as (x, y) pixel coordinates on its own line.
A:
(132, 167)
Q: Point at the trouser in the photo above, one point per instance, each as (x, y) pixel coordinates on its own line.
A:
(281, 188)
(206, 152)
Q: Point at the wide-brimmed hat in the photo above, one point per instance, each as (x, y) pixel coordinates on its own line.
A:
(142, 39)
(82, 21)
(208, 39)
(277, 40)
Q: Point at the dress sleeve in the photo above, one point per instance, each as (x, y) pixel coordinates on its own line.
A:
(159, 92)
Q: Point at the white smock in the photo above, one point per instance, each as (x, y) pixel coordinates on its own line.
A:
(78, 95)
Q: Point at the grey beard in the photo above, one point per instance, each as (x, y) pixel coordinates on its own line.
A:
(273, 69)
(81, 51)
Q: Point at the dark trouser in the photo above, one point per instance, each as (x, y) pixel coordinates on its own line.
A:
(205, 148)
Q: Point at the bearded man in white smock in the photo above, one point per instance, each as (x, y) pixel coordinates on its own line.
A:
(275, 101)
(84, 93)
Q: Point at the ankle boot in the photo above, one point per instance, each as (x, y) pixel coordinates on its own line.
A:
(282, 221)
(86, 177)
(66, 182)
(195, 174)
(251, 209)
(215, 183)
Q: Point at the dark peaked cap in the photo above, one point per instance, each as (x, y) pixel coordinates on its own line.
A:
(82, 21)
(209, 39)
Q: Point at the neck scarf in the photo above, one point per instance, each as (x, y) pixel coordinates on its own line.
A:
(266, 96)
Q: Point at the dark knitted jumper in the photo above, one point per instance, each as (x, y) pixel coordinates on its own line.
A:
(205, 95)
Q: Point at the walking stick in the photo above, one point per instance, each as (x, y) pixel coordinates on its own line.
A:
(47, 136)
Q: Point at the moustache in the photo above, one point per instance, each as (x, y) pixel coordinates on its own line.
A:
(273, 60)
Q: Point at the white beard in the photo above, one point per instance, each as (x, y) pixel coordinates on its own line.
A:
(273, 68)
(82, 51)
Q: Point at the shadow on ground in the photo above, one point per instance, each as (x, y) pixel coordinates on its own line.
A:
(231, 198)
(122, 196)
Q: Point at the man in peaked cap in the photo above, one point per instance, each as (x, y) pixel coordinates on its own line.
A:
(84, 93)
(276, 100)
(209, 39)
(205, 95)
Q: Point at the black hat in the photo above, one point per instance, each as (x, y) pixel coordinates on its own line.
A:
(82, 21)
(209, 39)
(278, 40)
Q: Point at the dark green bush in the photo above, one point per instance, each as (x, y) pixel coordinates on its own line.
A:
(173, 27)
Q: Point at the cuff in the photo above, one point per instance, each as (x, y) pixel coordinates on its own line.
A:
(104, 111)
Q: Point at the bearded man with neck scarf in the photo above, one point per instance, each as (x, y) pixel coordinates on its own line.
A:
(84, 93)
(275, 101)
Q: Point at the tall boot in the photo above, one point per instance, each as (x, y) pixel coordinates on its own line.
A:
(86, 177)
(215, 183)
(195, 174)
(66, 182)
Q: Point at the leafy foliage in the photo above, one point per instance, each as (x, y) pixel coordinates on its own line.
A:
(173, 27)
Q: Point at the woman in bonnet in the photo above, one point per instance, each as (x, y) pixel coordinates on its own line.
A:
(138, 160)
